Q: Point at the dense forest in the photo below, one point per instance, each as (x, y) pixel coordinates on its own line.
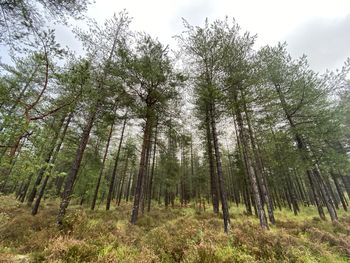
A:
(214, 127)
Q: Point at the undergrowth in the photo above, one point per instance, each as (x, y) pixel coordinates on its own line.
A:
(167, 235)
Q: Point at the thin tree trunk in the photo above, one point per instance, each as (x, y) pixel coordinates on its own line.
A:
(114, 173)
(328, 199)
(303, 151)
(25, 189)
(315, 195)
(223, 196)
(258, 206)
(339, 191)
(259, 166)
(142, 168)
(94, 198)
(192, 170)
(331, 192)
(292, 196)
(20, 189)
(213, 176)
(152, 169)
(52, 161)
(41, 194)
(123, 178)
(71, 177)
(129, 186)
(42, 170)
(144, 188)
(346, 183)
(246, 198)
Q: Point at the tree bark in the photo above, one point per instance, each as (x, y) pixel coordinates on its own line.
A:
(42, 170)
(250, 171)
(71, 177)
(213, 176)
(223, 196)
(142, 167)
(339, 191)
(52, 161)
(328, 199)
(304, 155)
(152, 169)
(144, 188)
(114, 173)
(41, 194)
(94, 198)
(259, 166)
(123, 179)
(25, 188)
(346, 183)
(292, 196)
(129, 186)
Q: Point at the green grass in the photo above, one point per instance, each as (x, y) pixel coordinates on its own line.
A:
(167, 235)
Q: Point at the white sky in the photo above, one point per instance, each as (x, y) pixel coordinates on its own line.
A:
(320, 29)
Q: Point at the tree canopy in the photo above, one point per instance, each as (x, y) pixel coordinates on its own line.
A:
(232, 125)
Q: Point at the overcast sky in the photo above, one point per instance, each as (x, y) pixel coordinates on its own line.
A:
(320, 29)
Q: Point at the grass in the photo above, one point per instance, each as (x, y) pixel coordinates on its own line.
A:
(167, 235)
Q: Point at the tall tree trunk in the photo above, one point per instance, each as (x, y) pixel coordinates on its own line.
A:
(142, 167)
(246, 198)
(144, 188)
(42, 170)
(304, 154)
(258, 205)
(246, 173)
(315, 195)
(71, 177)
(41, 194)
(192, 171)
(292, 197)
(20, 189)
(160, 194)
(129, 186)
(94, 198)
(339, 191)
(152, 169)
(346, 183)
(123, 179)
(301, 189)
(222, 190)
(114, 173)
(328, 199)
(259, 166)
(331, 192)
(213, 176)
(25, 188)
(52, 161)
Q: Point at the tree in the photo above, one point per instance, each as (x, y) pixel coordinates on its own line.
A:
(26, 17)
(149, 77)
(203, 47)
(116, 29)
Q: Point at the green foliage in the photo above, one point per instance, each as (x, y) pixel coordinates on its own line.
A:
(24, 17)
(58, 121)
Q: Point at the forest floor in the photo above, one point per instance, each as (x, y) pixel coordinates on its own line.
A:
(167, 235)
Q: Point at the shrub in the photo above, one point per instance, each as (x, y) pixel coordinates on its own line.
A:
(70, 250)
